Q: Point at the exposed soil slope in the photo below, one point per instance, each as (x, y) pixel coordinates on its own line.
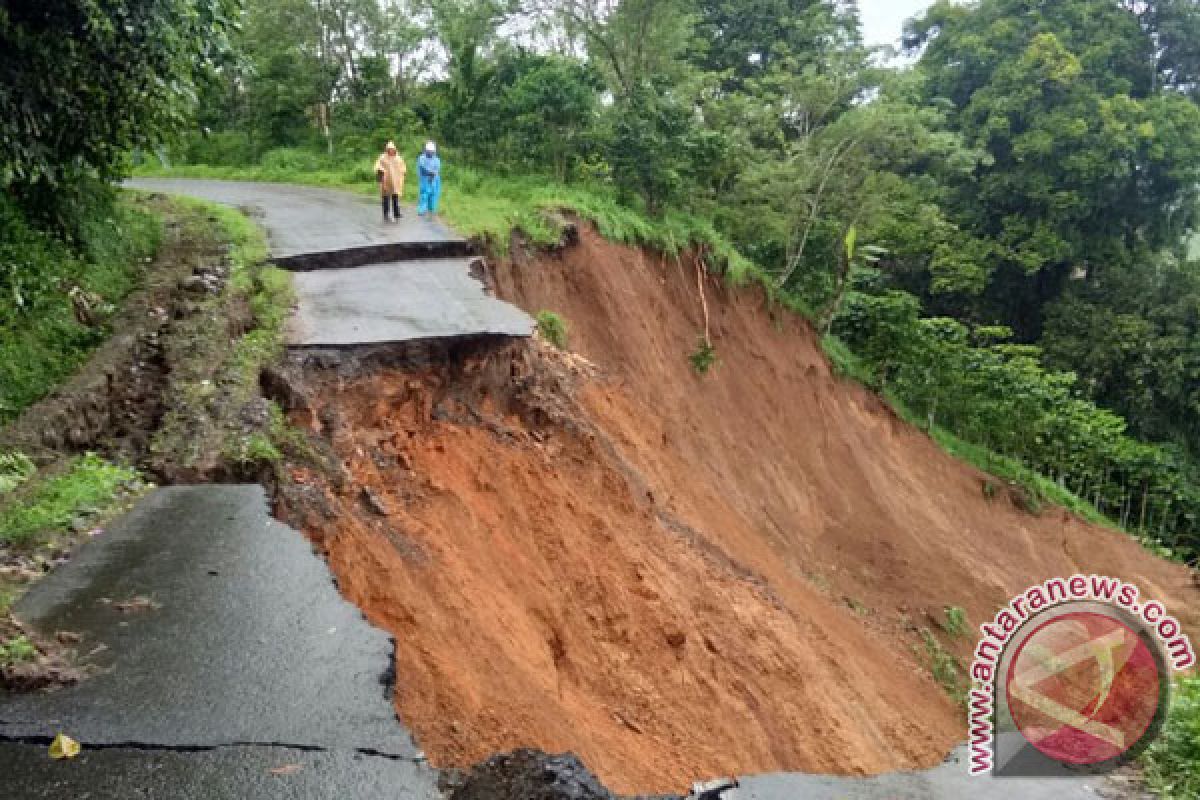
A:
(673, 575)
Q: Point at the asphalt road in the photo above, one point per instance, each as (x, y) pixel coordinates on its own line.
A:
(309, 227)
(246, 658)
(360, 280)
(948, 781)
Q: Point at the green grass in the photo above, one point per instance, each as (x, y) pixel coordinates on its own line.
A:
(844, 362)
(16, 651)
(15, 469)
(1172, 762)
(944, 667)
(234, 372)
(268, 289)
(955, 623)
(553, 328)
(41, 342)
(88, 487)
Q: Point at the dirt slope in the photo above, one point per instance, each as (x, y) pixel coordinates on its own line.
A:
(675, 576)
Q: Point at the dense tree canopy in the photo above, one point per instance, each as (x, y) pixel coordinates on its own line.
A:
(84, 83)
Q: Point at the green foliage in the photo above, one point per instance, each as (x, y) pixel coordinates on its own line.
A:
(89, 486)
(999, 396)
(16, 650)
(1092, 151)
(955, 623)
(704, 357)
(255, 449)
(41, 339)
(87, 82)
(655, 151)
(553, 328)
(845, 362)
(15, 468)
(944, 667)
(1172, 762)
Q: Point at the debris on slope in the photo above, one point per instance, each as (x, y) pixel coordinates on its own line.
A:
(529, 775)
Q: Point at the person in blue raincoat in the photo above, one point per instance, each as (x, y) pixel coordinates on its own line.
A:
(429, 171)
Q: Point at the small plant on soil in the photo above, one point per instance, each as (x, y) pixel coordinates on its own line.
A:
(955, 622)
(16, 651)
(704, 357)
(553, 328)
(857, 606)
(944, 667)
(257, 448)
(14, 469)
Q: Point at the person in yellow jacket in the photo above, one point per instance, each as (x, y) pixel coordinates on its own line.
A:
(390, 170)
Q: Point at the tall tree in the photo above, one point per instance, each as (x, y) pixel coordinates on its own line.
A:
(1092, 152)
(83, 83)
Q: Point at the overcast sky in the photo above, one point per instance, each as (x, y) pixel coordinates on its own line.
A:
(883, 20)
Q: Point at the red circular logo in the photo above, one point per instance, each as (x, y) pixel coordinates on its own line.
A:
(1084, 688)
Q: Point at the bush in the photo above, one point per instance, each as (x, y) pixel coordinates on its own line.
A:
(553, 328)
(292, 159)
(704, 357)
(16, 650)
(220, 147)
(1172, 762)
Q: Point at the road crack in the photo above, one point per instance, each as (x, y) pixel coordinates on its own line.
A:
(154, 747)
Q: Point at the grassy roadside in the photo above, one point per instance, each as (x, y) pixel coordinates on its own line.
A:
(87, 488)
(213, 394)
(45, 287)
(57, 310)
(41, 505)
(1172, 763)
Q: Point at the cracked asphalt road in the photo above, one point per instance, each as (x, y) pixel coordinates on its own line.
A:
(250, 660)
(311, 227)
(234, 773)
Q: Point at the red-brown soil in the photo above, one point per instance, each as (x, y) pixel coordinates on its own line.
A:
(674, 575)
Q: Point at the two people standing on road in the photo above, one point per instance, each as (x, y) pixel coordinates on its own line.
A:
(429, 171)
(390, 171)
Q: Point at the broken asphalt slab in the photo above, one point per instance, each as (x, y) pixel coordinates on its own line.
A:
(387, 301)
(245, 644)
(312, 228)
(412, 300)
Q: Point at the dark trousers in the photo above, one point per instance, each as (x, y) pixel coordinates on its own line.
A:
(395, 205)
